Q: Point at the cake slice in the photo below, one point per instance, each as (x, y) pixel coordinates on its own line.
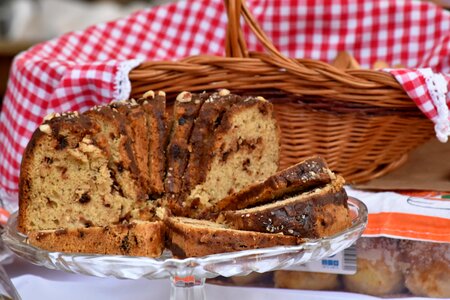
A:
(306, 175)
(137, 131)
(138, 238)
(192, 238)
(318, 213)
(154, 106)
(114, 140)
(65, 178)
(235, 142)
(185, 111)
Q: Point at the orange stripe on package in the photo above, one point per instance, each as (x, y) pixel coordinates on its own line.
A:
(407, 215)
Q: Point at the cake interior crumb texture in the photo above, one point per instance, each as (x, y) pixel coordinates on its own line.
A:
(245, 150)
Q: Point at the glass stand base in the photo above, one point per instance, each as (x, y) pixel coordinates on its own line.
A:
(187, 288)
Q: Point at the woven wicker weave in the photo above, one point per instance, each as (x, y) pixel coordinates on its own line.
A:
(360, 121)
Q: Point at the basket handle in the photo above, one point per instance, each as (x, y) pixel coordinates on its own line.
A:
(235, 45)
(306, 68)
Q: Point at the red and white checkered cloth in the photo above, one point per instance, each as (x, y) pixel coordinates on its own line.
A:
(85, 68)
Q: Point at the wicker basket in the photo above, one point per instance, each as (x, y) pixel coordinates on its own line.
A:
(360, 121)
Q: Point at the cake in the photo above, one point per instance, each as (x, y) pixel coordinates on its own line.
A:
(122, 177)
(312, 214)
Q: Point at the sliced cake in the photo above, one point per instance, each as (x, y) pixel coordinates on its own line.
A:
(185, 111)
(235, 142)
(192, 238)
(304, 176)
(88, 181)
(154, 106)
(65, 179)
(138, 238)
(113, 138)
(137, 131)
(318, 213)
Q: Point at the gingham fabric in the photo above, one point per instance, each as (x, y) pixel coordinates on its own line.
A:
(89, 67)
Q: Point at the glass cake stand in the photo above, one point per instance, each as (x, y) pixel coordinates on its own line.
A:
(188, 275)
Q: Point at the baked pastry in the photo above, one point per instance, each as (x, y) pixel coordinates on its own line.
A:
(303, 176)
(378, 272)
(138, 238)
(191, 238)
(318, 213)
(426, 267)
(235, 142)
(306, 280)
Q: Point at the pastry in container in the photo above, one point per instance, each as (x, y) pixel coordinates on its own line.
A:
(378, 272)
(426, 267)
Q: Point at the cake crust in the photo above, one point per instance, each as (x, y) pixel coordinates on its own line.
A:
(193, 238)
(135, 239)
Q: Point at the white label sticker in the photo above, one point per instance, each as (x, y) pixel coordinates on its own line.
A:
(343, 262)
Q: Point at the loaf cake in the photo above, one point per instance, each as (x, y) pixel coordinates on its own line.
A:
(94, 182)
(318, 213)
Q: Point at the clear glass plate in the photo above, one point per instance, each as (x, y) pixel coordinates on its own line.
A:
(189, 272)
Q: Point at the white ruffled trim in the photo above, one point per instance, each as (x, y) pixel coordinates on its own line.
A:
(122, 83)
(437, 87)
